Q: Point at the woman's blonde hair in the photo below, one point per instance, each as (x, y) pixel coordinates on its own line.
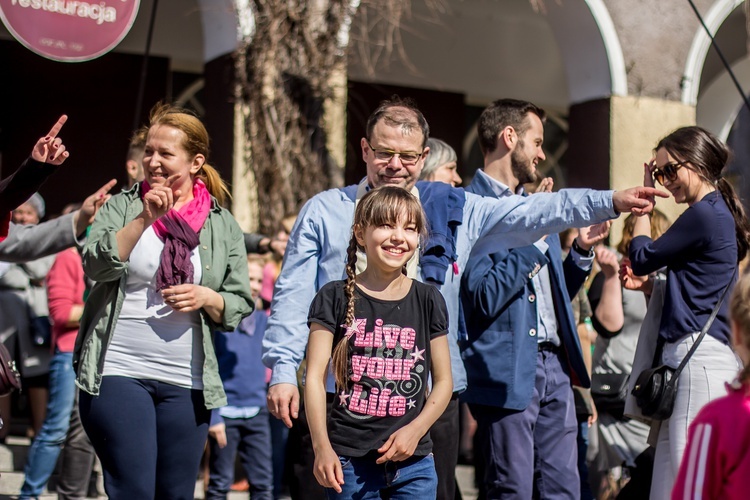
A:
(195, 142)
(739, 312)
(383, 205)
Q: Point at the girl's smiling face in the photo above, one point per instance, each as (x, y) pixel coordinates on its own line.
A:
(389, 246)
(687, 186)
(165, 156)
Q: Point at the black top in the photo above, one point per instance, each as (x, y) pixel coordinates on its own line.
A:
(18, 187)
(389, 361)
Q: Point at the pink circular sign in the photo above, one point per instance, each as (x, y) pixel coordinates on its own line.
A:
(69, 30)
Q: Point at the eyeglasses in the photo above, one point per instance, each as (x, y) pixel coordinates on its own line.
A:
(407, 158)
(669, 171)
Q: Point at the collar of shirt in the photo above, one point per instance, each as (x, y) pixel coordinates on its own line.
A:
(500, 189)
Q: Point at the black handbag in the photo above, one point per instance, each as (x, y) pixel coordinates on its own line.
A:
(609, 391)
(10, 379)
(655, 389)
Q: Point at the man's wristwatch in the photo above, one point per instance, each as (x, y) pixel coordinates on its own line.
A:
(580, 251)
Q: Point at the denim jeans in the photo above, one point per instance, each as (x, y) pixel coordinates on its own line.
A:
(251, 438)
(407, 480)
(46, 446)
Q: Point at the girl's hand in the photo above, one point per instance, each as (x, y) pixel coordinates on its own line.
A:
(632, 282)
(187, 298)
(607, 260)
(50, 149)
(400, 446)
(327, 469)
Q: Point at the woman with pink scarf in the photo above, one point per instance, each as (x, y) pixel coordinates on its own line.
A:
(170, 268)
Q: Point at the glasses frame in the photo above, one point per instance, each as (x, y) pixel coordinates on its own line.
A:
(393, 153)
(659, 173)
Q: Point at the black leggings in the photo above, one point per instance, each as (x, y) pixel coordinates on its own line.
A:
(149, 436)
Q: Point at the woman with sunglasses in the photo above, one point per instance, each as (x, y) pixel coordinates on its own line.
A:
(700, 252)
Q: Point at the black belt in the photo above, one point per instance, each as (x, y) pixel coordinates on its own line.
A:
(548, 346)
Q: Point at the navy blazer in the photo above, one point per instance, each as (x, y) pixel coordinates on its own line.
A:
(499, 305)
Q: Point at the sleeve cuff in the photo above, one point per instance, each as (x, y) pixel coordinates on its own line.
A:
(283, 374)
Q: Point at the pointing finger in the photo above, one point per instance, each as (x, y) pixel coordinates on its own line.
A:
(57, 126)
(171, 179)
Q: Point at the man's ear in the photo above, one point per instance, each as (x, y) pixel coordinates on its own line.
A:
(509, 137)
(365, 148)
(131, 167)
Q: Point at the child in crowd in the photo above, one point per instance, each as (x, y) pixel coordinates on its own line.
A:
(390, 333)
(716, 463)
(243, 425)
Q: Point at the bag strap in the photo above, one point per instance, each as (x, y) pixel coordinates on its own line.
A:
(704, 330)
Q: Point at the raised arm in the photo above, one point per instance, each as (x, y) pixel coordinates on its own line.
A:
(523, 220)
(605, 295)
(48, 154)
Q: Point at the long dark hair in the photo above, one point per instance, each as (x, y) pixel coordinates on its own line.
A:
(384, 205)
(707, 156)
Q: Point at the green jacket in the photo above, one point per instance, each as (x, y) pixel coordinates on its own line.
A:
(222, 253)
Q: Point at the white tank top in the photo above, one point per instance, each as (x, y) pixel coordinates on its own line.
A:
(151, 340)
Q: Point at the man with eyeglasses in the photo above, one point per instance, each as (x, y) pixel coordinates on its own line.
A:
(394, 151)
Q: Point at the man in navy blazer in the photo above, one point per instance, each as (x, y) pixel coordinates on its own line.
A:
(521, 350)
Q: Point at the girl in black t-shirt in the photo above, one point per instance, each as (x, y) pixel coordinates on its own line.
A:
(389, 332)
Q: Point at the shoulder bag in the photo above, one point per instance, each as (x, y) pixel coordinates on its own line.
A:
(656, 388)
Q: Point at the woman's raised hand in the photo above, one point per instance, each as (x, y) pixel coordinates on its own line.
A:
(607, 260)
(50, 149)
(160, 199)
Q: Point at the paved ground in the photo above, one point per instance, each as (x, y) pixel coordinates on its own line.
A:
(13, 456)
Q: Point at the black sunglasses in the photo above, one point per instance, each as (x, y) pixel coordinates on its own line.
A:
(669, 170)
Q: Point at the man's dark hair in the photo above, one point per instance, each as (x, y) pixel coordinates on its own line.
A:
(505, 113)
(399, 112)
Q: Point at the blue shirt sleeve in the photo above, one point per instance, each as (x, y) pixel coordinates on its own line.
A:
(286, 336)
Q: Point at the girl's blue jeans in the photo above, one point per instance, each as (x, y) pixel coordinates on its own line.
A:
(407, 480)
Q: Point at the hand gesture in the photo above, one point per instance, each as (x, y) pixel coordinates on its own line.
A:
(160, 200)
(327, 469)
(639, 200)
(607, 260)
(91, 205)
(187, 297)
(50, 149)
(283, 402)
(545, 186)
(648, 176)
(400, 446)
(218, 432)
(591, 235)
(633, 282)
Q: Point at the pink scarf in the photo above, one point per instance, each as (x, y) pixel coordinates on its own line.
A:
(179, 229)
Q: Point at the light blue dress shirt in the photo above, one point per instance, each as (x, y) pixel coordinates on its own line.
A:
(316, 254)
